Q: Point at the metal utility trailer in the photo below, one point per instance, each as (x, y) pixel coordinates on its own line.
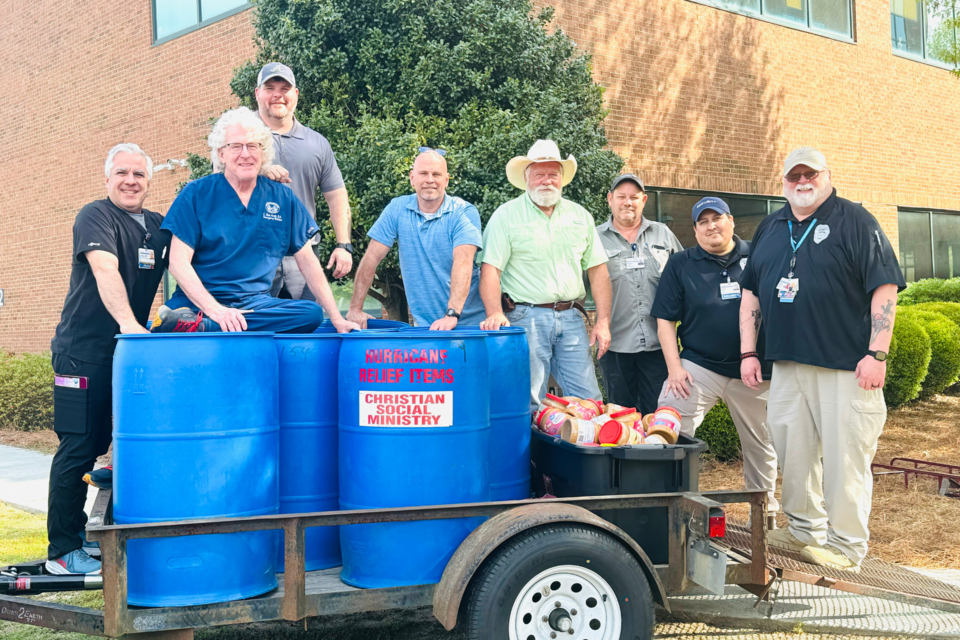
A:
(569, 556)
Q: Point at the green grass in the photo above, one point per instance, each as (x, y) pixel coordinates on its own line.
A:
(23, 536)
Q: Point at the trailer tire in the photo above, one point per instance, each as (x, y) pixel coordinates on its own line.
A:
(568, 580)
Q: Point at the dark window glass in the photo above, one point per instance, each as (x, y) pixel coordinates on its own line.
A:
(789, 10)
(946, 245)
(676, 211)
(747, 214)
(915, 251)
(906, 26)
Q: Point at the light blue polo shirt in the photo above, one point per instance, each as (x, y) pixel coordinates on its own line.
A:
(426, 253)
(237, 249)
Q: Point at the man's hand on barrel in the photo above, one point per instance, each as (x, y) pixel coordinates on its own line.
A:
(494, 322)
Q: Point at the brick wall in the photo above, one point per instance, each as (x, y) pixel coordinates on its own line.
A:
(699, 98)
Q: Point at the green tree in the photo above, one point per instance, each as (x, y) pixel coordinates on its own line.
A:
(943, 35)
(482, 79)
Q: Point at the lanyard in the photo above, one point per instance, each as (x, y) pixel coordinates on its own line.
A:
(796, 245)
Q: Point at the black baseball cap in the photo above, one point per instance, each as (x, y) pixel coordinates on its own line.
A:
(627, 176)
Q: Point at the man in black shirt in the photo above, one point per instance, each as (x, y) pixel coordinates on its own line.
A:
(700, 289)
(119, 256)
(823, 278)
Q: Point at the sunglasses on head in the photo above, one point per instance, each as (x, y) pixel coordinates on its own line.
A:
(441, 152)
(795, 177)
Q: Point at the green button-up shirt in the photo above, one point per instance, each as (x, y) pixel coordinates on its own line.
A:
(635, 270)
(542, 258)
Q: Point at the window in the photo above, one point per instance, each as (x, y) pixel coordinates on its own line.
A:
(827, 17)
(924, 31)
(173, 18)
(929, 244)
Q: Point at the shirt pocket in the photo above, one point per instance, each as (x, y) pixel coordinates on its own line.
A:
(660, 257)
(274, 238)
(614, 264)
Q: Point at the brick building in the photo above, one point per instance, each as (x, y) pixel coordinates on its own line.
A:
(705, 96)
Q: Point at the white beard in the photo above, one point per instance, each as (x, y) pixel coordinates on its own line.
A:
(545, 196)
(803, 199)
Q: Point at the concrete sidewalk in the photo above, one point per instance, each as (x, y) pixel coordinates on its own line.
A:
(24, 479)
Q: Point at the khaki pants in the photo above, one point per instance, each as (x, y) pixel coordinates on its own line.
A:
(748, 410)
(814, 412)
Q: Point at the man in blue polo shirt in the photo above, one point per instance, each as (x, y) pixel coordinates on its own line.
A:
(230, 231)
(823, 279)
(700, 289)
(439, 235)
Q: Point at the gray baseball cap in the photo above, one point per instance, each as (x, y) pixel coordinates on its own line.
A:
(620, 179)
(276, 70)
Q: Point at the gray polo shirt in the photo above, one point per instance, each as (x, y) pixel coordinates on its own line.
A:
(635, 270)
(308, 157)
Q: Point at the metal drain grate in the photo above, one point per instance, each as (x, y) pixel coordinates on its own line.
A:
(877, 578)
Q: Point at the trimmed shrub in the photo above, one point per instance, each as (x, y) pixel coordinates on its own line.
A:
(720, 434)
(26, 392)
(907, 361)
(949, 309)
(944, 369)
(930, 290)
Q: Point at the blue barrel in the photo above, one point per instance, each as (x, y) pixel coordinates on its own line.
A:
(374, 323)
(196, 435)
(414, 430)
(509, 411)
(308, 437)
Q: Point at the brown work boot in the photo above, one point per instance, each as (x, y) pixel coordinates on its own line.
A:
(783, 539)
(829, 556)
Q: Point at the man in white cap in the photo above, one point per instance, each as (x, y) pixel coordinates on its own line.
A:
(305, 162)
(535, 250)
(823, 279)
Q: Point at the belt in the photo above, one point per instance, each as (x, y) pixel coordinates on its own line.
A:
(560, 305)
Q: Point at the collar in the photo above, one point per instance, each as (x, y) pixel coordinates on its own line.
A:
(821, 214)
(608, 226)
(414, 205)
(296, 131)
(740, 246)
(557, 208)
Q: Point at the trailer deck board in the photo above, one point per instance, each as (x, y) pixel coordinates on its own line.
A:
(876, 578)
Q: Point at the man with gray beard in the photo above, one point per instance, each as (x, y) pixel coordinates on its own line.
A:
(823, 279)
(535, 250)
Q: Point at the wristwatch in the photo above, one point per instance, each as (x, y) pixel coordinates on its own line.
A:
(452, 313)
(879, 355)
(345, 246)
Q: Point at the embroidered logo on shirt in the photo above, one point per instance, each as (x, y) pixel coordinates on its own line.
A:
(272, 212)
(578, 221)
(821, 234)
(94, 244)
(743, 263)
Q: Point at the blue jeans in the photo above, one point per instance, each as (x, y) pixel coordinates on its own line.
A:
(559, 344)
(268, 314)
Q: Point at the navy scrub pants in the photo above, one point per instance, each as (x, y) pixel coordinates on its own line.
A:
(82, 419)
(269, 314)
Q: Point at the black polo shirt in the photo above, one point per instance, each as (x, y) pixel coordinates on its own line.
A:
(844, 258)
(689, 292)
(86, 330)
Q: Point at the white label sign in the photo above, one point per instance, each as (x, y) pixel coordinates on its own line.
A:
(406, 409)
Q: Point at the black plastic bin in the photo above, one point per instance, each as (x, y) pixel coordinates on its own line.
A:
(566, 470)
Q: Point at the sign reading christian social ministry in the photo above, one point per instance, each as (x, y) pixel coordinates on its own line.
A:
(427, 406)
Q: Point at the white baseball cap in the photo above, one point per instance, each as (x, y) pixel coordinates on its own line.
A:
(809, 156)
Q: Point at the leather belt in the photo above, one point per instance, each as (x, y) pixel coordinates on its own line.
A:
(560, 305)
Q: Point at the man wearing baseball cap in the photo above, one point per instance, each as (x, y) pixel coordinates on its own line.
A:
(535, 250)
(823, 280)
(700, 289)
(305, 162)
(637, 250)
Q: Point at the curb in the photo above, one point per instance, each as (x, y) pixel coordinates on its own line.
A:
(24, 508)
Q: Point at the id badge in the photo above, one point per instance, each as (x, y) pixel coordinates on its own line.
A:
(70, 382)
(633, 263)
(729, 290)
(787, 289)
(145, 258)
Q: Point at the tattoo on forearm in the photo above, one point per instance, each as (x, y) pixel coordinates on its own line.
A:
(757, 317)
(881, 321)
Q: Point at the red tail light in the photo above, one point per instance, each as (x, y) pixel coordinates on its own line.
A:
(718, 523)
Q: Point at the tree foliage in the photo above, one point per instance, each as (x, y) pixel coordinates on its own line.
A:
(942, 37)
(482, 79)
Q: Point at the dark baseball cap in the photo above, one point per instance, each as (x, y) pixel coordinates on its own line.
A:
(627, 176)
(709, 204)
(276, 70)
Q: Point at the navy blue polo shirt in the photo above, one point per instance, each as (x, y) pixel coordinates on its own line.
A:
(689, 292)
(237, 249)
(844, 258)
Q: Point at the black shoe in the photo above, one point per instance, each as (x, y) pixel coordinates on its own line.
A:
(182, 320)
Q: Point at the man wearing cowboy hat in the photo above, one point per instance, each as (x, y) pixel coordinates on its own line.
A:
(536, 248)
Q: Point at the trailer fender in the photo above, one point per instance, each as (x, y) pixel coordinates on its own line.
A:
(486, 538)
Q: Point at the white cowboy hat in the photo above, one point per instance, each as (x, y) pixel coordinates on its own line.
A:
(541, 151)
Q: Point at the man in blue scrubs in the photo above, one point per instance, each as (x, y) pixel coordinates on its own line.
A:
(230, 232)
(439, 235)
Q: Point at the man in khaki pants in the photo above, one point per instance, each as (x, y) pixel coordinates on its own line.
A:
(823, 279)
(700, 289)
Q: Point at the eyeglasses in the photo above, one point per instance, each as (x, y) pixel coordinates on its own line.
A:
(795, 177)
(440, 152)
(253, 148)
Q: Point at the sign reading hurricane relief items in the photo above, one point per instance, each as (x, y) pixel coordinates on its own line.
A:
(406, 409)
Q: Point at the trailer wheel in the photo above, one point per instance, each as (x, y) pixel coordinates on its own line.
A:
(560, 581)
